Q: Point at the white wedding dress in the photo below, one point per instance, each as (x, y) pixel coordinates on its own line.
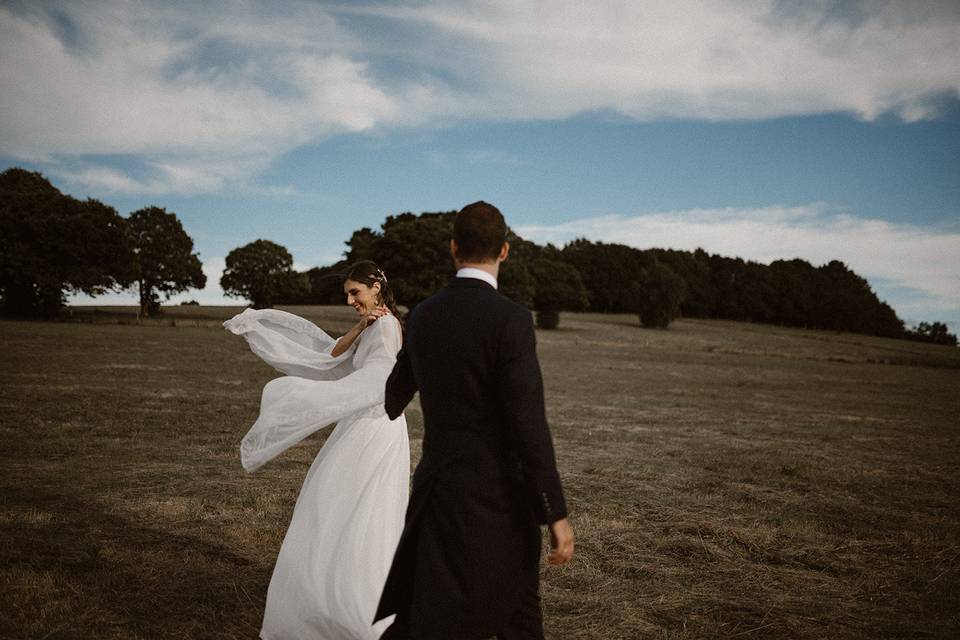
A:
(349, 515)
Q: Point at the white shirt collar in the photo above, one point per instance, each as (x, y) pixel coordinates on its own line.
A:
(479, 274)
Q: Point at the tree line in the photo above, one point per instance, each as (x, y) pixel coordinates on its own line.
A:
(658, 285)
(52, 244)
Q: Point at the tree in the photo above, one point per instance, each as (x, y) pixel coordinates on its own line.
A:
(788, 292)
(558, 288)
(936, 332)
(794, 293)
(516, 282)
(261, 272)
(52, 245)
(607, 270)
(165, 260)
(845, 302)
(657, 295)
(694, 268)
(324, 285)
(414, 251)
(362, 244)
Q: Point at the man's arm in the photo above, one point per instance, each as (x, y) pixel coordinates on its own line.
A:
(521, 391)
(401, 386)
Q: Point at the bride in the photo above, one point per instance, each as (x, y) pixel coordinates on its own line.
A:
(349, 514)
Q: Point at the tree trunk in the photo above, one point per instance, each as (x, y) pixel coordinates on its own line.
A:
(144, 301)
(548, 318)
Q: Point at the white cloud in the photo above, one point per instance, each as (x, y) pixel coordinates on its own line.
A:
(105, 179)
(917, 270)
(205, 95)
(690, 58)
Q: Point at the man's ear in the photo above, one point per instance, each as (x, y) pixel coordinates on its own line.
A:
(504, 252)
(454, 249)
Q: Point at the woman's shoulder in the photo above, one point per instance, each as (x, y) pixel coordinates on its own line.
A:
(384, 324)
(383, 333)
(393, 322)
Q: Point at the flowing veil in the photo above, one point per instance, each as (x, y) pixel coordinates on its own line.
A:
(319, 388)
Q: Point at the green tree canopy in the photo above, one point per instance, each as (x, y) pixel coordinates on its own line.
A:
(516, 282)
(845, 302)
(262, 272)
(52, 245)
(414, 251)
(323, 285)
(657, 295)
(935, 332)
(166, 264)
(789, 292)
(558, 287)
(607, 270)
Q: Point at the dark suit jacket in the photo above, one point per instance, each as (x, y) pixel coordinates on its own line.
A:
(487, 477)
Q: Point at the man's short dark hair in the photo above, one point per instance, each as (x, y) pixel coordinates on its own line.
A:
(480, 232)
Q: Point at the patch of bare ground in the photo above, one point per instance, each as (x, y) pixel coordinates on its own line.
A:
(725, 480)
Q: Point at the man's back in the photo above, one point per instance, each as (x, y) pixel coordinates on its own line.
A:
(467, 565)
(469, 556)
(454, 345)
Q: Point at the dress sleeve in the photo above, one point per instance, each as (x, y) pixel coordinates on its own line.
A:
(293, 407)
(291, 344)
(381, 339)
(401, 384)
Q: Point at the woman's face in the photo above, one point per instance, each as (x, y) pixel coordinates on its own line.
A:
(361, 297)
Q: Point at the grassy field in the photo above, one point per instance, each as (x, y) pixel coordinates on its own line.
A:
(725, 480)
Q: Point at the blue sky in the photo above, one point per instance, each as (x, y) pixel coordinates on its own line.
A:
(766, 130)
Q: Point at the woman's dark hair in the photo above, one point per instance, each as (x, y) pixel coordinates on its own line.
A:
(480, 232)
(367, 272)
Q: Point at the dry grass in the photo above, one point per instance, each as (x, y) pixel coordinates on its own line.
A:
(725, 480)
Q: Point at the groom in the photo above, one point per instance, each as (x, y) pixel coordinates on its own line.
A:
(467, 566)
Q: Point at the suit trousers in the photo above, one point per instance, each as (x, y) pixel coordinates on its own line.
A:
(525, 624)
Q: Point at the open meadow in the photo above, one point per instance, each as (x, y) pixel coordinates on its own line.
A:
(726, 480)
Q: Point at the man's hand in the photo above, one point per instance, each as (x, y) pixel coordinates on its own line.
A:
(561, 542)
